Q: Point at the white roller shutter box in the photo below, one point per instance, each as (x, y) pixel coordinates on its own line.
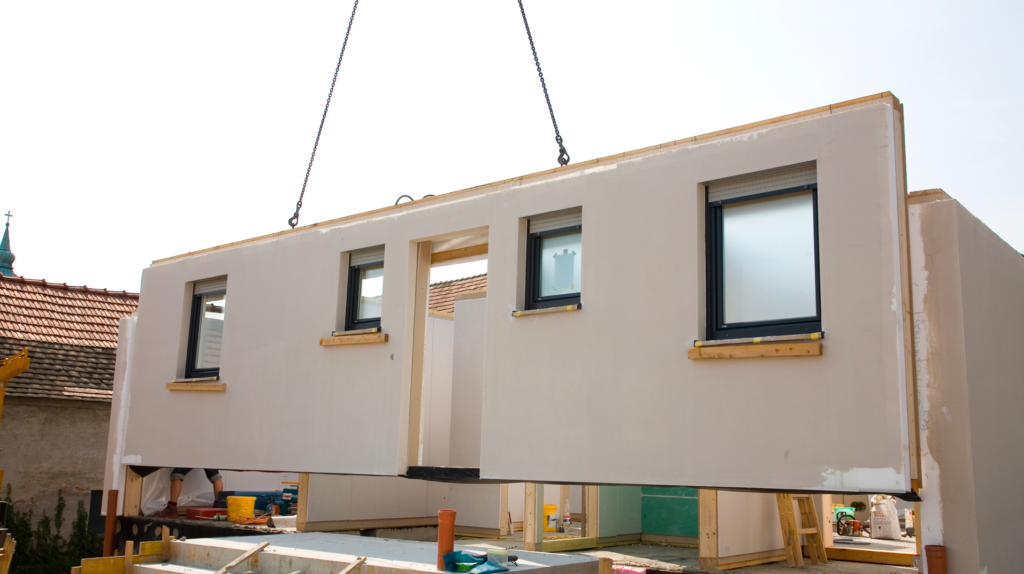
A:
(218, 285)
(763, 182)
(364, 256)
(556, 220)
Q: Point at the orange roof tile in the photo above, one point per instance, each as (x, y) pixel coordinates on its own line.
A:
(442, 295)
(34, 310)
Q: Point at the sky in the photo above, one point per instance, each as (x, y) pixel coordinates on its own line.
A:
(133, 131)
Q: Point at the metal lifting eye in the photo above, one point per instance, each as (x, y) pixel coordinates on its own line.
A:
(401, 196)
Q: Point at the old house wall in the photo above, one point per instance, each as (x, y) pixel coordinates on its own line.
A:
(48, 445)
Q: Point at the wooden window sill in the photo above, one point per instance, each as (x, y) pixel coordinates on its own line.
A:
(363, 339)
(208, 387)
(760, 350)
(559, 309)
(758, 340)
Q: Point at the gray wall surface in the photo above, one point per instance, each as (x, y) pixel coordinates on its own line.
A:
(48, 445)
(651, 416)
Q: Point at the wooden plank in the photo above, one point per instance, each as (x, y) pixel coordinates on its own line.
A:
(165, 543)
(302, 506)
(462, 253)
(707, 528)
(76, 570)
(355, 564)
(752, 559)
(127, 564)
(109, 565)
(670, 540)
(533, 517)
(926, 196)
(758, 340)
(604, 565)
(153, 548)
(245, 556)
(132, 493)
(593, 504)
(751, 351)
(568, 544)
(560, 309)
(441, 315)
(353, 340)
(504, 519)
(421, 296)
(790, 539)
(355, 332)
(870, 556)
(208, 387)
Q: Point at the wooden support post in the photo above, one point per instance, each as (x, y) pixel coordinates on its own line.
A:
(504, 521)
(604, 566)
(108, 532)
(129, 554)
(245, 556)
(165, 543)
(419, 340)
(303, 504)
(593, 505)
(533, 517)
(707, 525)
(132, 493)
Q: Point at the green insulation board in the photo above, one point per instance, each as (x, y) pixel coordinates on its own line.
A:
(669, 511)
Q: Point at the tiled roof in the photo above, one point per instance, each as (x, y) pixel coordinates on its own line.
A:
(34, 310)
(442, 295)
(62, 371)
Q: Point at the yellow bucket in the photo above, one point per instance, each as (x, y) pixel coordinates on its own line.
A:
(550, 517)
(241, 507)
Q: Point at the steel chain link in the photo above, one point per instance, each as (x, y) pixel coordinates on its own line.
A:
(563, 156)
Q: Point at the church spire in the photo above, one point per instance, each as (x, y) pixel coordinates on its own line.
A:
(6, 257)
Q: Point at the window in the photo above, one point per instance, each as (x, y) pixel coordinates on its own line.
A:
(554, 253)
(365, 289)
(206, 328)
(762, 255)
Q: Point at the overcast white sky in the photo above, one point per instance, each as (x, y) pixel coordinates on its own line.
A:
(138, 130)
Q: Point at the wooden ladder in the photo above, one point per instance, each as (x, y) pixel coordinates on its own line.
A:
(808, 526)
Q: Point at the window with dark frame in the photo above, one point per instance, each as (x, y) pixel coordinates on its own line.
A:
(365, 298)
(206, 328)
(554, 252)
(762, 255)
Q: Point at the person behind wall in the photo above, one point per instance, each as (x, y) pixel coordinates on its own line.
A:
(177, 476)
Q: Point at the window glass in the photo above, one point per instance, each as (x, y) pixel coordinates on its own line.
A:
(768, 258)
(371, 292)
(211, 329)
(560, 269)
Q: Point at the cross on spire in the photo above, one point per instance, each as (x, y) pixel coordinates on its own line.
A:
(9, 216)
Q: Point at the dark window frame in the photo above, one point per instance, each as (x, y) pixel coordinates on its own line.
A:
(716, 327)
(533, 251)
(195, 321)
(355, 285)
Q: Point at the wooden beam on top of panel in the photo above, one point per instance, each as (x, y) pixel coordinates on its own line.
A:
(462, 253)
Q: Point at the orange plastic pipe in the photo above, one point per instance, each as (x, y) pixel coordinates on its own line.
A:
(445, 535)
(936, 556)
(108, 533)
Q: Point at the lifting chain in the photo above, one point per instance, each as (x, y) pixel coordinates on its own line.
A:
(295, 218)
(563, 156)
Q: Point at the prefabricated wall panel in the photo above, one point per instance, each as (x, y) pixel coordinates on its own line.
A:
(650, 415)
(968, 315)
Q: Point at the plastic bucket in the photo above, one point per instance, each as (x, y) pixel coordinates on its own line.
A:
(550, 517)
(498, 556)
(241, 507)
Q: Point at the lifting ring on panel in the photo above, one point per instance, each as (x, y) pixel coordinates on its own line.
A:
(400, 198)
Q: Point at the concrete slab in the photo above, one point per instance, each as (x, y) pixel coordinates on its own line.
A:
(326, 553)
